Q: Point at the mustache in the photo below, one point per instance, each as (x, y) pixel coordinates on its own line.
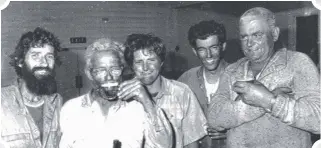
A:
(146, 73)
(41, 68)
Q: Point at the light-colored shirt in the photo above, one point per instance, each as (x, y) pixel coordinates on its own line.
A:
(293, 117)
(84, 124)
(18, 129)
(194, 78)
(183, 110)
(210, 87)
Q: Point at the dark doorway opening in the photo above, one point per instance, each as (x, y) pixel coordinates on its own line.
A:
(307, 36)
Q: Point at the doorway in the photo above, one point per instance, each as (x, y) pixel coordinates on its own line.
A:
(307, 36)
(71, 78)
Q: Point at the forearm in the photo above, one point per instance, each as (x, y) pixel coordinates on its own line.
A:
(226, 113)
(303, 113)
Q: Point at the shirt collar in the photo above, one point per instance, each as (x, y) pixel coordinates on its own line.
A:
(165, 89)
(276, 63)
(223, 64)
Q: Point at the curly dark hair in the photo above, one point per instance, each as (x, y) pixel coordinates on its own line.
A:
(135, 42)
(38, 38)
(204, 29)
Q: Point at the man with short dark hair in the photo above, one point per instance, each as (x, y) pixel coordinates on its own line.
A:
(145, 54)
(30, 107)
(208, 41)
(271, 97)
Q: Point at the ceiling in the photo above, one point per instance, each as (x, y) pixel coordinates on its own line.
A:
(236, 8)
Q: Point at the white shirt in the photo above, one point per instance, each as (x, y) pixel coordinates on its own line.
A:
(210, 88)
(84, 125)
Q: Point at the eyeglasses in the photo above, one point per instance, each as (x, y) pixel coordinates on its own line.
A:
(114, 71)
(214, 50)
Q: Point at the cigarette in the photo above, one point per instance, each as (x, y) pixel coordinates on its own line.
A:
(110, 84)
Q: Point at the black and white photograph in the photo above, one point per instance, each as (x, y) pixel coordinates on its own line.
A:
(160, 74)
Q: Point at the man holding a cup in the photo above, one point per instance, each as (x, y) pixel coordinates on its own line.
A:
(101, 119)
(271, 97)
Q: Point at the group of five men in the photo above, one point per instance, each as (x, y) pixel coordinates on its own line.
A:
(269, 98)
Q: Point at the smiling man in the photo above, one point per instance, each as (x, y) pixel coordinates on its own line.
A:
(271, 97)
(208, 41)
(145, 54)
(100, 119)
(30, 107)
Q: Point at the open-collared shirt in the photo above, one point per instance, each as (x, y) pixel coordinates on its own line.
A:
(194, 78)
(183, 110)
(88, 121)
(18, 129)
(293, 116)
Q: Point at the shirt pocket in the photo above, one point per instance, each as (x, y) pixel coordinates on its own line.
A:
(176, 118)
(12, 134)
(18, 139)
(15, 137)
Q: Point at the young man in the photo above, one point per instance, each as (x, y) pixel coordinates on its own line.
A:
(30, 107)
(145, 54)
(101, 119)
(208, 41)
(271, 97)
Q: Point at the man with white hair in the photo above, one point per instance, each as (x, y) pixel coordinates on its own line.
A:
(99, 119)
(271, 97)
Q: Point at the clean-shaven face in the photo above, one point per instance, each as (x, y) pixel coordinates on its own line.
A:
(209, 52)
(146, 65)
(256, 38)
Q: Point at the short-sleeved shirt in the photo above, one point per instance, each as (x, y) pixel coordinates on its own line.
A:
(183, 110)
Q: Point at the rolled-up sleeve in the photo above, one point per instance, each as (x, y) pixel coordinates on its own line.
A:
(158, 132)
(302, 108)
(225, 112)
(194, 122)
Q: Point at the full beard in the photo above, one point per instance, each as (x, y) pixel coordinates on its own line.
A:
(45, 85)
